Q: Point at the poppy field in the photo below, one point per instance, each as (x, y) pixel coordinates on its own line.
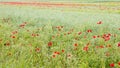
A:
(59, 37)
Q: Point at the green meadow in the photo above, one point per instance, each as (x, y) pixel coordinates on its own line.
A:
(60, 37)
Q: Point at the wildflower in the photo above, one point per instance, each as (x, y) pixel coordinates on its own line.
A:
(57, 53)
(109, 34)
(63, 50)
(100, 22)
(23, 24)
(33, 35)
(118, 63)
(37, 35)
(14, 32)
(79, 33)
(53, 56)
(101, 46)
(69, 56)
(119, 44)
(50, 44)
(106, 37)
(69, 33)
(37, 49)
(97, 46)
(85, 48)
(7, 44)
(94, 36)
(13, 36)
(112, 65)
(89, 31)
(75, 44)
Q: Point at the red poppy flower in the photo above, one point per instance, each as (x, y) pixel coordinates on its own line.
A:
(98, 36)
(69, 55)
(13, 36)
(85, 48)
(63, 50)
(58, 53)
(106, 37)
(53, 56)
(101, 46)
(112, 65)
(50, 43)
(119, 44)
(89, 31)
(79, 33)
(94, 36)
(69, 33)
(7, 44)
(75, 44)
(100, 22)
(109, 34)
(118, 63)
(14, 32)
(22, 25)
(37, 34)
(37, 49)
(33, 35)
(97, 46)
(55, 52)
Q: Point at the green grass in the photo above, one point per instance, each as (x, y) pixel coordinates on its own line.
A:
(21, 53)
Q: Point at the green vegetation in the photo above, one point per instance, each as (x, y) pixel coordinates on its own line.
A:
(33, 37)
